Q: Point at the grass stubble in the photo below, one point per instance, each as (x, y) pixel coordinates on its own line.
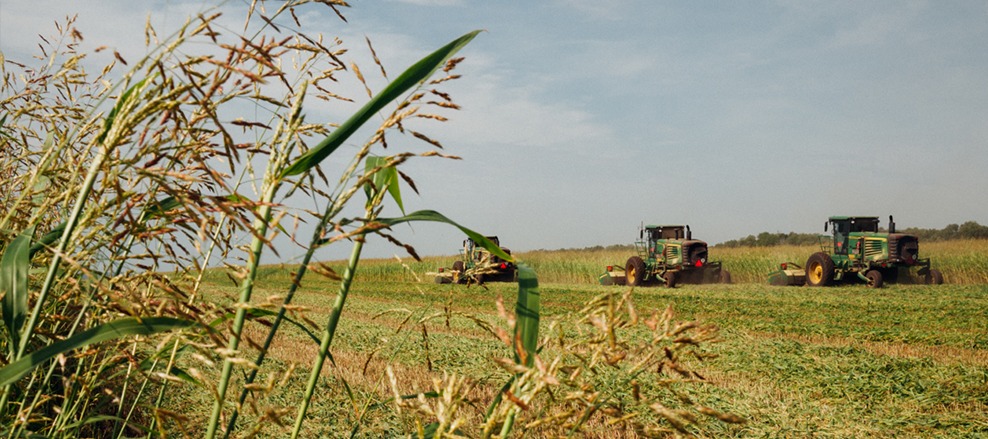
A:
(142, 181)
(845, 361)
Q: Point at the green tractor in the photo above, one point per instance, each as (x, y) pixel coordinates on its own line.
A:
(858, 250)
(477, 265)
(667, 254)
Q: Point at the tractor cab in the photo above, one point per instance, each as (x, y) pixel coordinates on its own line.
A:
(673, 245)
(844, 226)
(667, 232)
(479, 255)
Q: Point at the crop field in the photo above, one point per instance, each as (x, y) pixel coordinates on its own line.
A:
(848, 361)
(145, 199)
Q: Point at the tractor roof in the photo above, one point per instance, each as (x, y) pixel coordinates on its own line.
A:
(845, 218)
(652, 226)
(858, 223)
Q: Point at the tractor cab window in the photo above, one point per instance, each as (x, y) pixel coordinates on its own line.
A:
(669, 233)
(864, 224)
(841, 231)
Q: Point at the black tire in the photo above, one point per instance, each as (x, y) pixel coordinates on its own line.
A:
(725, 276)
(934, 277)
(670, 279)
(819, 270)
(874, 278)
(634, 271)
(458, 273)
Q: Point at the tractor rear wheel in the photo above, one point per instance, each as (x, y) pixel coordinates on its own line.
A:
(934, 277)
(670, 279)
(634, 271)
(819, 270)
(874, 278)
(725, 276)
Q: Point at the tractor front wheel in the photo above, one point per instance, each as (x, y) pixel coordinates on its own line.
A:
(634, 271)
(934, 277)
(874, 278)
(819, 270)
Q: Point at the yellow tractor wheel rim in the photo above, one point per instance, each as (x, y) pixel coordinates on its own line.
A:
(816, 273)
(631, 274)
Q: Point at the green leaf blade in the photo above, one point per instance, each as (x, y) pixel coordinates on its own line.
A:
(527, 311)
(409, 79)
(384, 178)
(433, 216)
(14, 267)
(48, 239)
(126, 327)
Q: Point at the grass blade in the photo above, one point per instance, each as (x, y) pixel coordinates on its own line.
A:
(48, 239)
(14, 268)
(107, 331)
(527, 313)
(385, 178)
(433, 216)
(409, 79)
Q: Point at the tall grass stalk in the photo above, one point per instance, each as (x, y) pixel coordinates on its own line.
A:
(144, 192)
(143, 177)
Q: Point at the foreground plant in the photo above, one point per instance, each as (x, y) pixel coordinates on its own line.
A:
(126, 187)
(602, 370)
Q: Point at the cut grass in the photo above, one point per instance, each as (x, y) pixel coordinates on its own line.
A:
(839, 362)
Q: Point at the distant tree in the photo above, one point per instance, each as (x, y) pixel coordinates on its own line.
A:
(967, 230)
(972, 230)
(950, 232)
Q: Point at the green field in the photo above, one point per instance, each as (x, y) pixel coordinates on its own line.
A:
(142, 200)
(905, 360)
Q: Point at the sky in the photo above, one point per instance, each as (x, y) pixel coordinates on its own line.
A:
(582, 119)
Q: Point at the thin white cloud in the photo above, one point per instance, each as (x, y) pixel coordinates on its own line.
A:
(595, 9)
(878, 26)
(432, 3)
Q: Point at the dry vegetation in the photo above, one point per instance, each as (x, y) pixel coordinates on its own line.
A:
(123, 186)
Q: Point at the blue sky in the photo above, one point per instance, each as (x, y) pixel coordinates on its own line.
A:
(582, 119)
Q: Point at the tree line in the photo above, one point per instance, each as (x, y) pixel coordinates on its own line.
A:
(967, 230)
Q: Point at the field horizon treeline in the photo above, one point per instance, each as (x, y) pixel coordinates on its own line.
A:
(965, 230)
